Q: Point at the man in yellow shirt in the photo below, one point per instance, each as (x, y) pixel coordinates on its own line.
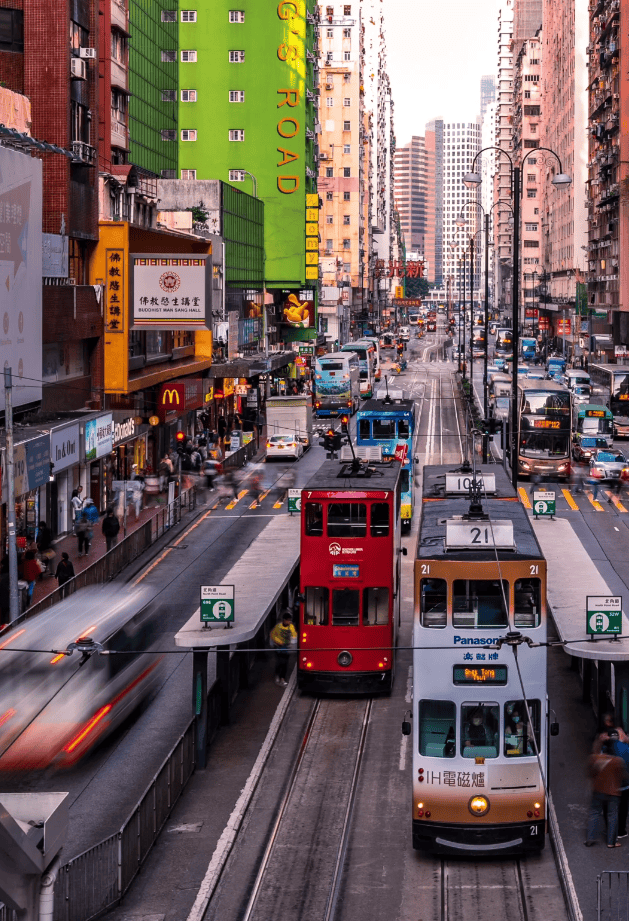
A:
(283, 636)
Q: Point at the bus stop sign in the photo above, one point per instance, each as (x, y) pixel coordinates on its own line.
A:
(294, 500)
(217, 604)
(544, 504)
(604, 615)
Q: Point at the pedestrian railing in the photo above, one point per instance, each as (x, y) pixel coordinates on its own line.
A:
(613, 895)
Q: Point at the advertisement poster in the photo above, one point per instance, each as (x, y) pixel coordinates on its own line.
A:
(99, 437)
(298, 309)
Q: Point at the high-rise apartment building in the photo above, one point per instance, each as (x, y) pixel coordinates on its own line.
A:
(410, 187)
(527, 20)
(502, 229)
(487, 93)
(459, 145)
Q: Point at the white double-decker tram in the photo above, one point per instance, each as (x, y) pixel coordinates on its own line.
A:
(480, 711)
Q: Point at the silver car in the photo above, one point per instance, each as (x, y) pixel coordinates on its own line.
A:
(606, 465)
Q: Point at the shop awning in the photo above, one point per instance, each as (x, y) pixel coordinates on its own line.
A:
(251, 367)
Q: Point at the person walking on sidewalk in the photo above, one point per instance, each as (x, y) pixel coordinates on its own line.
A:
(77, 502)
(31, 570)
(283, 638)
(111, 527)
(608, 775)
(616, 746)
(65, 572)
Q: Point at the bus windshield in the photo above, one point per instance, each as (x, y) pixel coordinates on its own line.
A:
(545, 403)
(544, 444)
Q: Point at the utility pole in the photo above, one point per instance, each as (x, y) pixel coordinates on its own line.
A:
(8, 424)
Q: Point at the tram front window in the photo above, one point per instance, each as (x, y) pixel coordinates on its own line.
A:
(316, 609)
(479, 603)
(364, 429)
(434, 594)
(345, 607)
(527, 603)
(437, 721)
(518, 730)
(314, 519)
(379, 519)
(347, 519)
(375, 606)
(384, 429)
(479, 730)
(402, 428)
(405, 481)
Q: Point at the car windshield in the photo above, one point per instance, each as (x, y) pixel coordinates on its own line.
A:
(589, 443)
(277, 439)
(606, 457)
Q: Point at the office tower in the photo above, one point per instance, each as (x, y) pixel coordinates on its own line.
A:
(487, 93)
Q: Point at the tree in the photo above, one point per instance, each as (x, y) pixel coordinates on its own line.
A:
(417, 287)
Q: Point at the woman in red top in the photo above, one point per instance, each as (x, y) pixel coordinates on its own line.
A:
(32, 572)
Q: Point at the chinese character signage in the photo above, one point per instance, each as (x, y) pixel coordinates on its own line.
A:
(170, 292)
(399, 268)
(99, 437)
(114, 291)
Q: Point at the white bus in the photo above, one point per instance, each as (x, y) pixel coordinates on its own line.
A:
(337, 383)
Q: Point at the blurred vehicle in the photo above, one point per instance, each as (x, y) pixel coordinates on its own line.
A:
(387, 341)
(584, 446)
(283, 446)
(556, 366)
(405, 333)
(290, 415)
(431, 326)
(581, 394)
(500, 363)
(606, 465)
(56, 707)
(493, 326)
(533, 374)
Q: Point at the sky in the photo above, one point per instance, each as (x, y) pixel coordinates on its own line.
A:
(437, 51)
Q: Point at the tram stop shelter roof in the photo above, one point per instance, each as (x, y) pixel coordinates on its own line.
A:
(571, 576)
(259, 578)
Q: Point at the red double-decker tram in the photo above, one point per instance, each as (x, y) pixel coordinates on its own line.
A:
(349, 578)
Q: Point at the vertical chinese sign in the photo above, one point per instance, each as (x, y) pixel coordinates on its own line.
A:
(114, 291)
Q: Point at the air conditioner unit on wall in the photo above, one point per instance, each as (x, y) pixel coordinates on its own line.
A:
(77, 68)
(88, 53)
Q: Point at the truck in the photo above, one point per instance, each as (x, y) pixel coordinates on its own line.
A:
(528, 348)
(290, 415)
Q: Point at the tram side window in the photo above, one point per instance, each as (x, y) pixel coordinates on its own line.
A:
(384, 429)
(314, 519)
(316, 611)
(402, 428)
(347, 519)
(433, 604)
(379, 519)
(527, 602)
(405, 480)
(345, 607)
(364, 428)
(518, 730)
(437, 721)
(375, 606)
(479, 730)
(479, 603)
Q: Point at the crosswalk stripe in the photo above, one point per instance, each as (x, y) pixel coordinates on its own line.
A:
(616, 501)
(234, 502)
(279, 503)
(597, 505)
(568, 497)
(526, 502)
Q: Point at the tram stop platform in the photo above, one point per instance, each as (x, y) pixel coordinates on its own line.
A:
(574, 572)
(260, 579)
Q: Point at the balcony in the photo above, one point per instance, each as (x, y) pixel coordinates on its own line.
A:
(119, 133)
(83, 153)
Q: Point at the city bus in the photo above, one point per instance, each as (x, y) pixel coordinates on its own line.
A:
(413, 318)
(544, 428)
(504, 342)
(377, 363)
(611, 388)
(349, 612)
(337, 384)
(366, 363)
(390, 424)
(594, 421)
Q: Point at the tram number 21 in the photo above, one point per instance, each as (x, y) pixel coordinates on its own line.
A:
(532, 829)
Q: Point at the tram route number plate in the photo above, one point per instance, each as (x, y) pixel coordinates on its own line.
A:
(217, 604)
(459, 485)
(544, 503)
(294, 500)
(479, 535)
(604, 615)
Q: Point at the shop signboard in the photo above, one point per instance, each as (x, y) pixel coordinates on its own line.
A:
(99, 437)
(177, 397)
(170, 291)
(64, 447)
(31, 464)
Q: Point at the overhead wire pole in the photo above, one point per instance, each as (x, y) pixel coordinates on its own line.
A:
(10, 465)
(485, 407)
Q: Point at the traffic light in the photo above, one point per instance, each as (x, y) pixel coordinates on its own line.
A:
(490, 426)
(331, 441)
(180, 438)
(345, 424)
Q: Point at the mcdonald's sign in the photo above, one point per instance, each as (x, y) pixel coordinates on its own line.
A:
(176, 397)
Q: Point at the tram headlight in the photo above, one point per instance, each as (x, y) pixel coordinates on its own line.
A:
(478, 805)
(345, 659)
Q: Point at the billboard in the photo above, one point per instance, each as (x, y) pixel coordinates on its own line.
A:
(170, 292)
(21, 273)
(99, 437)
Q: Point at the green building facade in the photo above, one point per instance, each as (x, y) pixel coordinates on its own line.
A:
(153, 83)
(247, 116)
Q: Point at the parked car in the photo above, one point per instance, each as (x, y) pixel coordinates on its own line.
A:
(283, 446)
(585, 446)
(607, 465)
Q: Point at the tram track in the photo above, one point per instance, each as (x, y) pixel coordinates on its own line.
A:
(493, 890)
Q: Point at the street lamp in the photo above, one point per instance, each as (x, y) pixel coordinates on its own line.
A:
(472, 180)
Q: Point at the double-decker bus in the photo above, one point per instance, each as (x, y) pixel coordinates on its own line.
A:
(594, 421)
(366, 362)
(611, 387)
(413, 318)
(349, 612)
(480, 716)
(504, 342)
(389, 424)
(337, 384)
(544, 428)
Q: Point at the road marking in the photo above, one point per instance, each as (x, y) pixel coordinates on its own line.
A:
(616, 501)
(597, 505)
(168, 550)
(526, 502)
(568, 497)
(279, 503)
(234, 502)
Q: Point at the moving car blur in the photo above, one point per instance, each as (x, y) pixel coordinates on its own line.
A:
(283, 446)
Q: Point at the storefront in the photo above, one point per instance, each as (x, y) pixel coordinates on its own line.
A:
(98, 442)
(65, 457)
(32, 473)
(177, 405)
(130, 440)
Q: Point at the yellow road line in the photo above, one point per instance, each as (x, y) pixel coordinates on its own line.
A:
(597, 505)
(568, 497)
(526, 502)
(168, 550)
(616, 501)
(234, 502)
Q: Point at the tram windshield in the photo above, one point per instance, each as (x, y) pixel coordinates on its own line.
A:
(345, 607)
(518, 730)
(347, 519)
(480, 730)
(479, 602)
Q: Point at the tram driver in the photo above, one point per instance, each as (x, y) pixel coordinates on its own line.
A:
(476, 732)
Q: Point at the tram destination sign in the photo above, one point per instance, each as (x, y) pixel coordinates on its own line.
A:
(479, 535)
(217, 604)
(604, 615)
(481, 674)
(459, 484)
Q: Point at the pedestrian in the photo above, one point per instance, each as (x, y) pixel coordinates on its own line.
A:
(608, 775)
(222, 428)
(283, 638)
(165, 471)
(77, 502)
(65, 572)
(619, 748)
(31, 570)
(82, 530)
(595, 483)
(44, 545)
(90, 512)
(111, 527)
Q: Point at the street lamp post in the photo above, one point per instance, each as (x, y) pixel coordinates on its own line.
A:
(471, 180)
(460, 366)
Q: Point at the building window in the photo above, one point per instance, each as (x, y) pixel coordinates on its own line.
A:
(527, 94)
(532, 161)
(347, 78)
(11, 30)
(347, 55)
(531, 177)
(532, 228)
(347, 126)
(119, 48)
(188, 57)
(346, 244)
(347, 266)
(347, 148)
(168, 174)
(329, 33)
(328, 246)
(236, 95)
(169, 15)
(329, 101)
(533, 129)
(329, 172)
(188, 174)
(346, 196)
(534, 61)
(169, 96)
(347, 101)
(236, 57)
(329, 196)
(347, 172)
(329, 219)
(236, 16)
(168, 57)
(188, 95)
(531, 244)
(188, 15)
(168, 134)
(530, 142)
(236, 175)
(347, 11)
(347, 33)
(236, 134)
(531, 193)
(346, 218)
(188, 134)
